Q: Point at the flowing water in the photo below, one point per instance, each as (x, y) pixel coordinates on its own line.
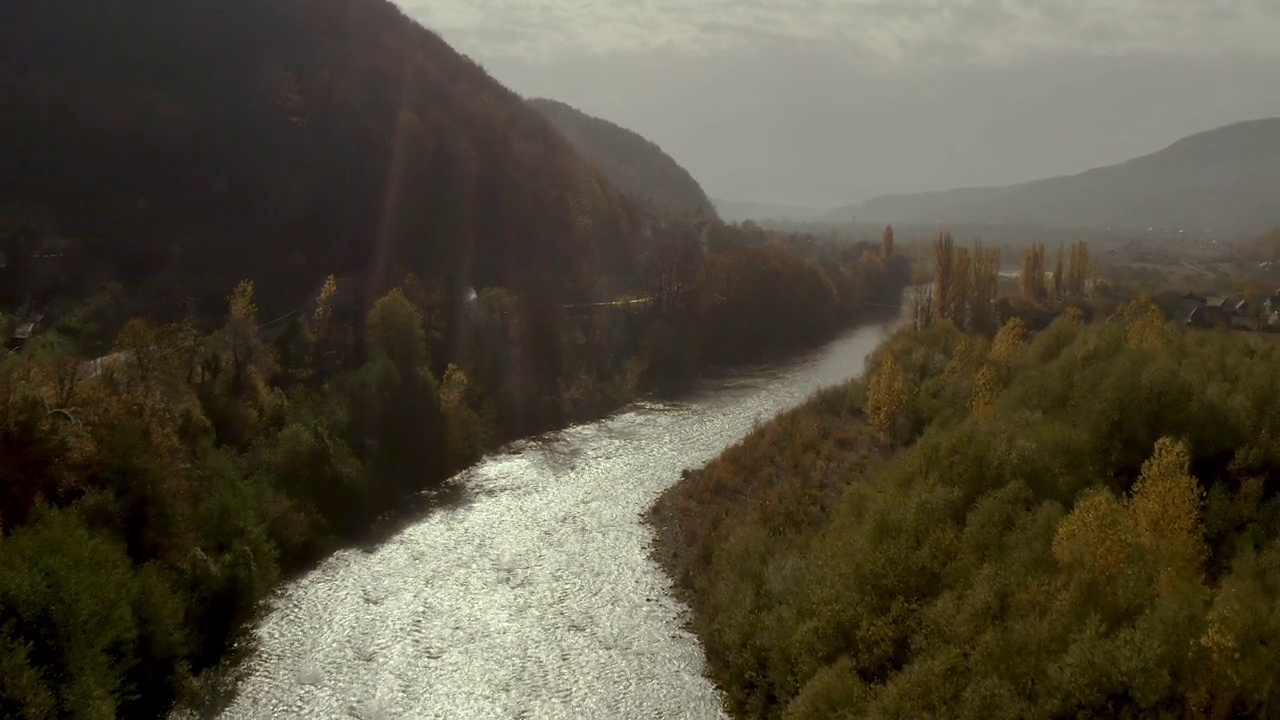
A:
(535, 597)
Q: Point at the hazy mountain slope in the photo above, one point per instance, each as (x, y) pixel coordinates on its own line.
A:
(287, 139)
(915, 205)
(636, 165)
(1224, 178)
(739, 210)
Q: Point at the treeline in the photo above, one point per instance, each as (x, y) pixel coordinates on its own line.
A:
(967, 290)
(150, 500)
(1078, 522)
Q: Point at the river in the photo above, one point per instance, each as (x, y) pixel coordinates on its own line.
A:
(535, 596)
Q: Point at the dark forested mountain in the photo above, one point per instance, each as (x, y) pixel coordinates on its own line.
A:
(1223, 178)
(637, 166)
(287, 139)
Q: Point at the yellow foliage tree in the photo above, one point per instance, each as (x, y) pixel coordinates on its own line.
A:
(1032, 276)
(241, 303)
(964, 362)
(1165, 511)
(323, 314)
(243, 342)
(1079, 267)
(887, 395)
(1007, 345)
(1160, 521)
(1096, 537)
(464, 429)
(1073, 315)
(984, 390)
(1147, 327)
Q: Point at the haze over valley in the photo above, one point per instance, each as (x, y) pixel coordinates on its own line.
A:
(827, 104)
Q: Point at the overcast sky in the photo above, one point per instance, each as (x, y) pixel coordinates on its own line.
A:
(825, 102)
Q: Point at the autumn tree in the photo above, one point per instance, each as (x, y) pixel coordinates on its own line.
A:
(323, 313)
(394, 329)
(886, 246)
(1032, 276)
(1166, 508)
(241, 332)
(1007, 345)
(887, 396)
(1058, 280)
(961, 288)
(1096, 537)
(1078, 271)
(944, 275)
(465, 430)
(984, 389)
(984, 286)
(1146, 326)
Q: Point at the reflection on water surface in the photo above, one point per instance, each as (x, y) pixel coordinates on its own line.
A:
(535, 597)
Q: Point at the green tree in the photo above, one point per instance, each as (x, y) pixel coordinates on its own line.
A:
(66, 607)
(398, 417)
(394, 329)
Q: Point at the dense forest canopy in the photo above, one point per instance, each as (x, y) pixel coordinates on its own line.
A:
(151, 499)
(1004, 517)
(634, 164)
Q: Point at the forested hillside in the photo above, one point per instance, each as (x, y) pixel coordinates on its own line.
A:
(1078, 522)
(151, 499)
(634, 164)
(280, 266)
(200, 142)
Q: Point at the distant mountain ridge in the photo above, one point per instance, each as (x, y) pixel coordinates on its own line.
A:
(1227, 178)
(740, 210)
(636, 165)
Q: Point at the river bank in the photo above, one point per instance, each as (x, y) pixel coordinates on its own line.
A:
(1079, 522)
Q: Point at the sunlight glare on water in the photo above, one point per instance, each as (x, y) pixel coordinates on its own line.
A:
(536, 597)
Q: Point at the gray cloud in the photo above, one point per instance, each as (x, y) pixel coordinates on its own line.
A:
(830, 101)
(896, 31)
